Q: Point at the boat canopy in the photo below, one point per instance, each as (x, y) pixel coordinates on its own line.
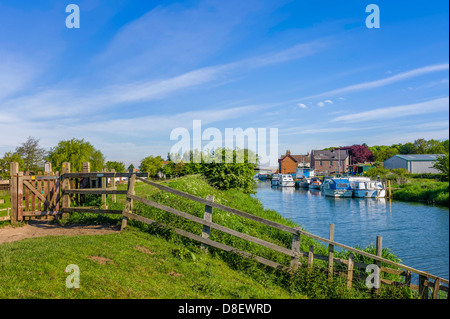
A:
(339, 183)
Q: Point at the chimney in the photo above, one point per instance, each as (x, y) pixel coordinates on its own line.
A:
(288, 152)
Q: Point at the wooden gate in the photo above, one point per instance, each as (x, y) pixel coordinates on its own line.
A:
(34, 195)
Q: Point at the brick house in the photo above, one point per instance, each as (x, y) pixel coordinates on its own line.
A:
(288, 163)
(329, 161)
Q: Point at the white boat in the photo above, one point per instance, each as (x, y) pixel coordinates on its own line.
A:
(338, 187)
(275, 180)
(286, 180)
(372, 189)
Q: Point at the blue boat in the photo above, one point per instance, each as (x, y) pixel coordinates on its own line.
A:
(338, 187)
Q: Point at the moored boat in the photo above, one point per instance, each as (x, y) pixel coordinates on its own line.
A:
(315, 183)
(338, 187)
(286, 180)
(275, 180)
(304, 183)
(368, 189)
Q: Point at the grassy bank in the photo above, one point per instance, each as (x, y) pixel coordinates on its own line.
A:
(427, 191)
(153, 262)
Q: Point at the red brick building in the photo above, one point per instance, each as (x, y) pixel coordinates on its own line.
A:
(288, 163)
(329, 162)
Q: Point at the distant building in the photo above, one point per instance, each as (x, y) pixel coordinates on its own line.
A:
(414, 163)
(288, 163)
(329, 161)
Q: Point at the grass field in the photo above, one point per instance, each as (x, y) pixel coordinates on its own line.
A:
(152, 262)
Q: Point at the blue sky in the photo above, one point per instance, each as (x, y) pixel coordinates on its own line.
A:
(136, 70)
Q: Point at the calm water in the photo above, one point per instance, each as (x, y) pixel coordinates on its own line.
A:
(418, 234)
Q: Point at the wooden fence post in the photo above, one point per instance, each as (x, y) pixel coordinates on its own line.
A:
(104, 186)
(351, 264)
(65, 186)
(311, 257)
(379, 251)
(20, 178)
(331, 253)
(206, 231)
(13, 172)
(423, 287)
(113, 185)
(129, 202)
(295, 250)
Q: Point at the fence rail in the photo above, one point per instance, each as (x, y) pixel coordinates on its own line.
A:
(426, 280)
(53, 195)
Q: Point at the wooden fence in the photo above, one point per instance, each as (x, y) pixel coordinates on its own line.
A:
(429, 285)
(54, 194)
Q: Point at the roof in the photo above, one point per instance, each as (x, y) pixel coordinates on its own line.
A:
(418, 157)
(297, 158)
(329, 154)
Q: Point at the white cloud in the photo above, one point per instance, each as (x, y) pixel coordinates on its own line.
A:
(388, 113)
(385, 81)
(302, 106)
(328, 101)
(320, 104)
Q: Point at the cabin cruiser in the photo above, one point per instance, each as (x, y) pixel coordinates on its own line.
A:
(275, 180)
(364, 189)
(286, 180)
(338, 187)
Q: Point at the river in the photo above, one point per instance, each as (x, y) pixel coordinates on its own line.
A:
(416, 233)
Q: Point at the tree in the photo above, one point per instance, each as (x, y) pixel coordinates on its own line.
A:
(76, 152)
(382, 153)
(169, 169)
(32, 154)
(151, 165)
(131, 167)
(359, 153)
(119, 167)
(408, 148)
(6, 161)
(441, 164)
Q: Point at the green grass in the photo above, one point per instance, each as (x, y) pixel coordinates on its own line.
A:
(138, 265)
(427, 191)
(178, 268)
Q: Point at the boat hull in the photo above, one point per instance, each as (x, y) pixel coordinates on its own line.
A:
(338, 192)
(287, 184)
(369, 193)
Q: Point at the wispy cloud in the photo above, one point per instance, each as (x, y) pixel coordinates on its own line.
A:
(383, 82)
(393, 112)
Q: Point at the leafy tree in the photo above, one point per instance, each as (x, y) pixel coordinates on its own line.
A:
(131, 167)
(408, 148)
(32, 154)
(441, 164)
(227, 174)
(382, 153)
(359, 153)
(151, 165)
(5, 163)
(76, 152)
(119, 167)
(169, 169)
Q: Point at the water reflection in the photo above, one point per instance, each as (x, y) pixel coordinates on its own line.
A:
(418, 234)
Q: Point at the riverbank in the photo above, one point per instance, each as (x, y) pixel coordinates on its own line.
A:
(177, 258)
(428, 191)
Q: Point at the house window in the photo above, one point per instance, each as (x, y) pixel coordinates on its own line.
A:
(320, 162)
(331, 163)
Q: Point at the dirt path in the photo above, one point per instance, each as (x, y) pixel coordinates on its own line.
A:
(37, 228)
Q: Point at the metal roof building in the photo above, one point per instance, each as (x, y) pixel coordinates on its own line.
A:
(414, 163)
